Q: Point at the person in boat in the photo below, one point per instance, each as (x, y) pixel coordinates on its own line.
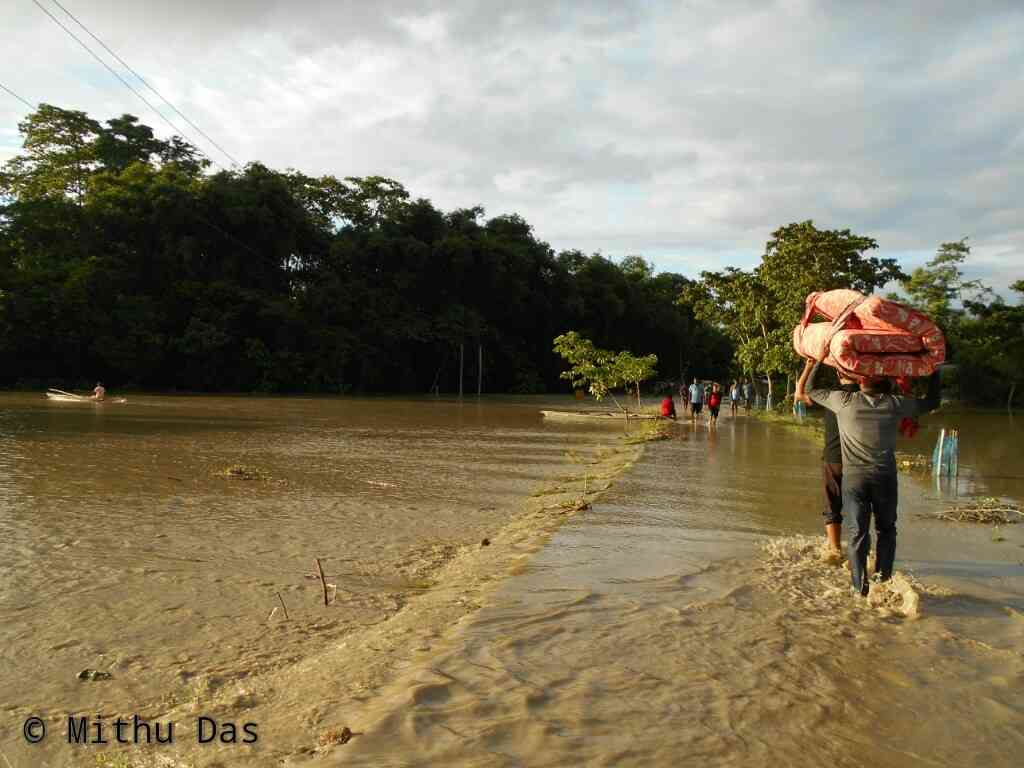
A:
(869, 420)
(99, 393)
(668, 407)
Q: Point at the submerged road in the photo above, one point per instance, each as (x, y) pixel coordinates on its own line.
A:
(655, 629)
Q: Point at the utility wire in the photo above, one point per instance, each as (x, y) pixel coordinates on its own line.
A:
(115, 73)
(23, 101)
(145, 101)
(142, 80)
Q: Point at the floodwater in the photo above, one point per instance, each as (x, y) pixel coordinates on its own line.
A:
(124, 549)
(686, 622)
(686, 618)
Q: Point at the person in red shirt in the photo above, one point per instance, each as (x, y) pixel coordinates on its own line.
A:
(668, 408)
(714, 403)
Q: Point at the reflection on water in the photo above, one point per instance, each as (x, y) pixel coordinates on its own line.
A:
(654, 631)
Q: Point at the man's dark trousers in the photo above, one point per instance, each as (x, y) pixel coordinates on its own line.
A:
(865, 494)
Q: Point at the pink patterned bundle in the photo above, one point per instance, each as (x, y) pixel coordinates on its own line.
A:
(868, 336)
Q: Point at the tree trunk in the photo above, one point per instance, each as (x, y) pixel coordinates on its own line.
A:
(1009, 399)
(768, 402)
(638, 406)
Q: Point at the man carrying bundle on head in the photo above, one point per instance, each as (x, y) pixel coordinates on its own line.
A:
(869, 420)
(868, 339)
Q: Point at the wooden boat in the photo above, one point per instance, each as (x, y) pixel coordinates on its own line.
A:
(60, 396)
(607, 415)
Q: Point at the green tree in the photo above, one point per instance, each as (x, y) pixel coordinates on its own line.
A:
(991, 340)
(125, 141)
(742, 305)
(633, 370)
(59, 153)
(935, 287)
(800, 259)
(600, 370)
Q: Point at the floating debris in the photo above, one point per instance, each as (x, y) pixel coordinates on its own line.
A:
(247, 472)
(335, 736)
(648, 432)
(94, 675)
(910, 462)
(987, 510)
(575, 505)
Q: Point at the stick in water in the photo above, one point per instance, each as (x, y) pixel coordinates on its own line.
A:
(283, 605)
(323, 581)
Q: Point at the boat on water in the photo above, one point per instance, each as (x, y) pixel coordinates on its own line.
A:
(608, 415)
(59, 396)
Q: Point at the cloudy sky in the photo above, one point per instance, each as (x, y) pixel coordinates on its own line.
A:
(684, 131)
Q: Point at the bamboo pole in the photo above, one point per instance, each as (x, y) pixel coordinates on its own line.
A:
(479, 369)
(323, 581)
(462, 356)
(283, 605)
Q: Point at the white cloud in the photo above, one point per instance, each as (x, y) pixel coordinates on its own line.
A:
(687, 132)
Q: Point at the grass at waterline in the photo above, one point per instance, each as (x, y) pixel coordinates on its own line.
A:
(809, 426)
(650, 431)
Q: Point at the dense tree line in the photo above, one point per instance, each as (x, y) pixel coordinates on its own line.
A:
(124, 258)
(758, 308)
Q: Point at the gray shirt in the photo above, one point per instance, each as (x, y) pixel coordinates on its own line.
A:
(868, 424)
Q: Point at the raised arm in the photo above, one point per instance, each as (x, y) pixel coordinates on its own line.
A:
(805, 382)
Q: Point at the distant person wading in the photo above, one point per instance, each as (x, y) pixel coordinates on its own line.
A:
(696, 400)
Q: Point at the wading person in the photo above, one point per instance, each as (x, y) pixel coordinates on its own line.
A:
(868, 421)
(831, 470)
(99, 393)
(734, 397)
(748, 395)
(696, 400)
(714, 404)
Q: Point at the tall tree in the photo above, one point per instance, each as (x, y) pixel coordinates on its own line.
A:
(743, 306)
(125, 141)
(935, 287)
(800, 259)
(60, 151)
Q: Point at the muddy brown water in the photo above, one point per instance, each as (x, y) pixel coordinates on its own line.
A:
(657, 630)
(652, 630)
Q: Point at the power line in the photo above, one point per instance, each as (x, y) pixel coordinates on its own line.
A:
(142, 80)
(23, 101)
(115, 73)
(145, 101)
